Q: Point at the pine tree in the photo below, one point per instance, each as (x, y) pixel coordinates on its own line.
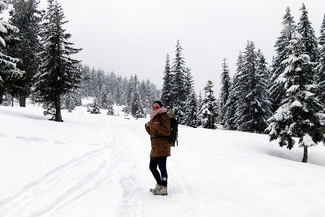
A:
(110, 106)
(8, 69)
(225, 89)
(131, 89)
(308, 35)
(209, 107)
(262, 104)
(189, 87)
(144, 94)
(231, 107)
(252, 109)
(234, 96)
(70, 101)
(118, 97)
(59, 72)
(26, 17)
(95, 108)
(191, 113)
(178, 81)
(321, 67)
(299, 113)
(190, 109)
(137, 110)
(282, 52)
(199, 109)
(166, 93)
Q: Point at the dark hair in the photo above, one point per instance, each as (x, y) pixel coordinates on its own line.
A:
(158, 102)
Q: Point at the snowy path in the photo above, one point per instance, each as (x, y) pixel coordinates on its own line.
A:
(118, 159)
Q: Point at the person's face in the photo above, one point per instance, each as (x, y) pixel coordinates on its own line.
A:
(155, 106)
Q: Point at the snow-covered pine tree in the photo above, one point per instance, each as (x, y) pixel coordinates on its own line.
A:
(110, 106)
(8, 70)
(263, 105)
(70, 101)
(209, 107)
(308, 35)
(59, 72)
(178, 81)
(85, 84)
(166, 92)
(191, 110)
(281, 53)
(95, 108)
(137, 110)
(300, 112)
(104, 99)
(199, 109)
(253, 108)
(118, 97)
(225, 89)
(234, 96)
(130, 89)
(144, 94)
(189, 87)
(321, 67)
(26, 17)
(230, 107)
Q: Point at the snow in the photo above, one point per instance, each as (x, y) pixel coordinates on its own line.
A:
(307, 140)
(293, 88)
(2, 28)
(282, 113)
(87, 100)
(296, 103)
(97, 165)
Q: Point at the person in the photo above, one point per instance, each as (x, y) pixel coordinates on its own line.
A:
(159, 129)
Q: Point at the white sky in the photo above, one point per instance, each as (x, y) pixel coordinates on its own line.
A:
(134, 36)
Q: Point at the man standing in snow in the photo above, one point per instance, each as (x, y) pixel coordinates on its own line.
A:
(159, 129)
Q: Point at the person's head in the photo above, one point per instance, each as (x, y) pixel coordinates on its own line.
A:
(156, 105)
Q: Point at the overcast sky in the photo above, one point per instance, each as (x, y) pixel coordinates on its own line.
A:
(134, 36)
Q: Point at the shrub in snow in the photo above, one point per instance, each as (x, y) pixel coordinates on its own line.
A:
(95, 109)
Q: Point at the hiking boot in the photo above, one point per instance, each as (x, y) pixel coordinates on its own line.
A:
(162, 190)
(155, 188)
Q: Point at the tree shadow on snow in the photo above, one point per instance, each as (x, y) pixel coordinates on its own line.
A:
(23, 115)
(315, 160)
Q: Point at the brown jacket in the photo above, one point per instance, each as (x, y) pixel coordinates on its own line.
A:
(159, 130)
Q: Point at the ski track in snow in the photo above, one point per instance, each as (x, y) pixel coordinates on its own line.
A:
(182, 193)
(68, 181)
(130, 202)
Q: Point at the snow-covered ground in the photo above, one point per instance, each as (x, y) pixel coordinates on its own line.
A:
(97, 166)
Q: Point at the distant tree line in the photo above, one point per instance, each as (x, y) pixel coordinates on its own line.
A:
(109, 89)
(285, 100)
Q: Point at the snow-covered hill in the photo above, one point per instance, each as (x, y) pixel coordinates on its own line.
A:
(97, 166)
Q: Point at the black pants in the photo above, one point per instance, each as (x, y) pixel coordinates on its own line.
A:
(161, 177)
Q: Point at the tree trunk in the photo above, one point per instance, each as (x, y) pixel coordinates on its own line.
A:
(1, 97)
(58, 116)
(22, 101)
(305, 157)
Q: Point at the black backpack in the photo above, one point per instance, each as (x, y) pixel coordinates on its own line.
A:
(172, 138)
